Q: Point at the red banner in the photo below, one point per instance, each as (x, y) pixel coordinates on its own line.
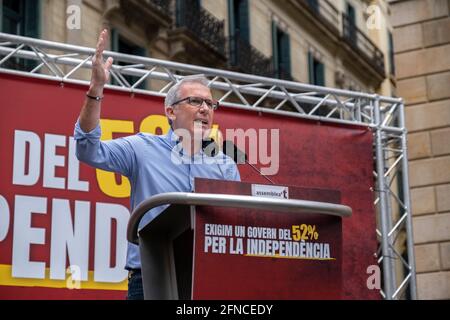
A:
(62, 223)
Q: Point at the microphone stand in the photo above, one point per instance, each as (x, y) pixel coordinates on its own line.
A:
(256, 169)
(227, 145)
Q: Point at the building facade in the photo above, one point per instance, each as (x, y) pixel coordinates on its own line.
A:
(422, 55)
(343, 44)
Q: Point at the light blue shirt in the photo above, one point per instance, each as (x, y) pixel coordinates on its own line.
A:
(153, 164)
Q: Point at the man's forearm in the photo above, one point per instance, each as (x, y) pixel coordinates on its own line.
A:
(90, 113)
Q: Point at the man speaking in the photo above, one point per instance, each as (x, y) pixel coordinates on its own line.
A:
(153, 164)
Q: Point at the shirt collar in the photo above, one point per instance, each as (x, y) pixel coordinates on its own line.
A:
(172, 138)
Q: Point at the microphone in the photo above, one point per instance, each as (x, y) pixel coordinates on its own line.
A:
(210, 147)
(239, 156)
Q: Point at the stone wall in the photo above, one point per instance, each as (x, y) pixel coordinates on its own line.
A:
(422, 55)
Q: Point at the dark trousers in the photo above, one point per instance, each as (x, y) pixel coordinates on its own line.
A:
(135, 287)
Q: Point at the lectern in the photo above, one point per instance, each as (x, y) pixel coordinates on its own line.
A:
(235, 240)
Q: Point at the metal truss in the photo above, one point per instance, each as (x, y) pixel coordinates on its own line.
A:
(383, 115)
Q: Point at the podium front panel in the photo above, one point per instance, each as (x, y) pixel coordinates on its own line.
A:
(259, 254)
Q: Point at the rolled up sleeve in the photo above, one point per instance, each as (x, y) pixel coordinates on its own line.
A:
(114, 155)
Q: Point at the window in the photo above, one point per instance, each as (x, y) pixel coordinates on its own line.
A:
(122, 45)
(20, 17)
(316, 71)
(239, 26)
(238, 29)
(314, 5)
(351, 14)
(187, 11)
(281, 53)
(351, 22)
(391, 53)
(197, 4)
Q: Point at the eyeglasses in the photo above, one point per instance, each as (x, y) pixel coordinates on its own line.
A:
(198, 102)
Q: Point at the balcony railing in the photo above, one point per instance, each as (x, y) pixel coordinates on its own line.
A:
(203, 25)
(325, 12)
(362, 44)
(162, 6)
(284, 74)
(247, 58)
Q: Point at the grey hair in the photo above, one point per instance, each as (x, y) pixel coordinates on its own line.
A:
(173, 95)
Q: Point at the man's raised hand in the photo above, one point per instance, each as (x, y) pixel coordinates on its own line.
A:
(100, 69)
